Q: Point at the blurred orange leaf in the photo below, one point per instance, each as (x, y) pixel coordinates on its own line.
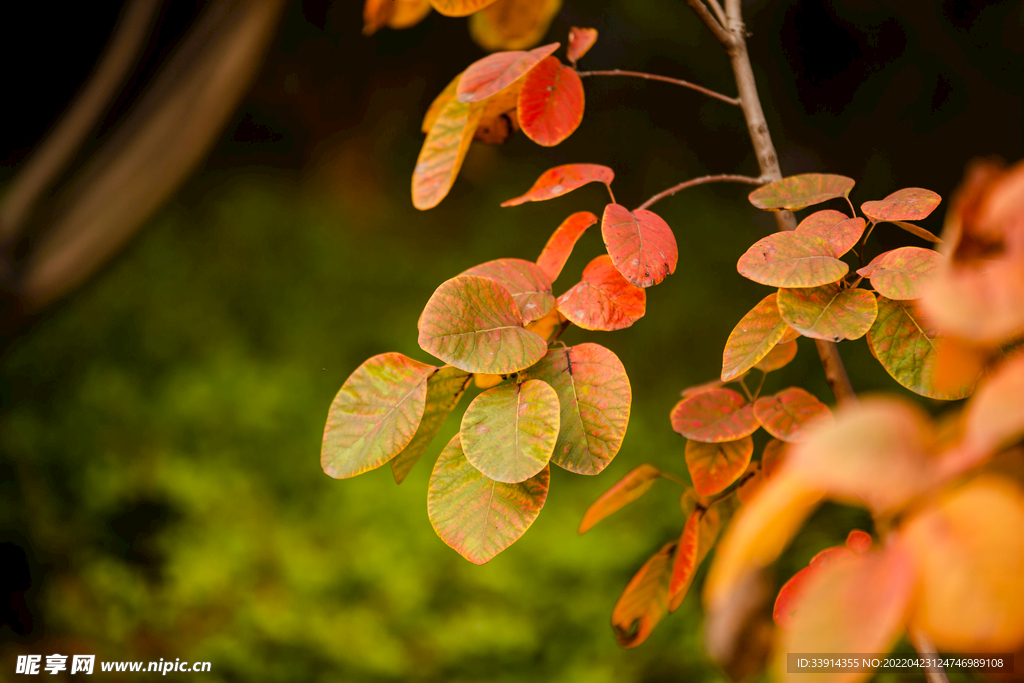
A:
(512, 24)
(529, 286)
(644, 601)
(715, 466)
(828, 312)
(910, 204)
(630, 488)
(791, 259)
(791, 593)
(559, 247)
(995, 414)
(640, 243)
(789, 413)
(561, 180)
(603, 299)
(494, 73)
(753, 338)
(395, 14)
(550, 106)
(800, 191)
(459, 8)
(902, 273)
(772, 457)
(580, 42)
(714, 416)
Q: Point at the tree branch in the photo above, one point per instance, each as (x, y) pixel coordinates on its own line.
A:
(723, 36)
(725, 178)
(665, 79)
(718, 11)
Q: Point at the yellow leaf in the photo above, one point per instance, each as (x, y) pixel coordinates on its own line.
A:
(512, 24)
(443, 152)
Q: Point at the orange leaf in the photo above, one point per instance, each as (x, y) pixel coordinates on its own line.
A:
(790, 595)
(791, 259)
(494, 73)
(630, 488)
(751, 482)
(560, 180)
(580, 42)
(858, 541)
(995, 414)
(556, 252)
(512, 24)
(715, 466)
(828, 312)
(396, 14)
(440, 102)
(910, 204)
(772, 457)
(697, 538)
(644, 601)
(603, 299)
(838, 229)
(550, 106)
(753, 338)
(525, 281)
(789, 413)
(701, 388)
(459, 8)
(781, 355)
(443, 152)
(640, 243)
(714, 416)
(902, 273)
(800, 191)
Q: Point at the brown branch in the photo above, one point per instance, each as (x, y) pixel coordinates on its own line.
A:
(719, 12)
(724, 178)
(665, 79)
(717, 30)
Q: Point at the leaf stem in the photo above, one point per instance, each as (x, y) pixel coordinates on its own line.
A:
(760, 386)
(677, 479)
(665, 79)
(722, 178)
(746, 390)
(610, 193)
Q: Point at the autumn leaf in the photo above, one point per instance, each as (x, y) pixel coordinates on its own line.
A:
(753, 338)
(781, 355)
(902, 273)
(512, 24)
(910, 204)
(800, 191)
(559, 247)
(629, 489)
(714, 416)
(698, 536)
(995, 414)
(459, 8)
(828, 312)
(397, 14)
(529, 286)
(772, 457)
(603, 299)
(494, 73)
(440, 102)
(375, 414)
(475, 516)
(716, 466)
(836, 228)
(444, 389)
(789, 413)
(917, 231)
(701, 388)
(443, 153)
(473, 323)
(594, 397)
(644, 602)
(791, 259)
(561, 180)
(580, 42)
(551, 103)
(640, 243)
(499, 120)
(790, 595)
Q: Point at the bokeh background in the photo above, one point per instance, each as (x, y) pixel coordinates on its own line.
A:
(160, 486)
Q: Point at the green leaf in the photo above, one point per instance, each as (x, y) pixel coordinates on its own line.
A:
(595, 397)
(473, 323)
(603, 299)
(550, 105)
(475, 516)
(629, 489)
(910, 204)
(828, 312)
(375, 414)
(529, 286)
(644, 602)
(715, 466)
(902, 273)
(509, 432)
(492, 74)
(800, 191)
(444, 389)
(754, 336)
(791, 259)
(558, 249)
(779, 357)
(561, 180)
(459, 8)
(907, 346)
(443, 152)
(839, 230)
(714, 416)
(697, 538)
(640, 243)
(789, 413)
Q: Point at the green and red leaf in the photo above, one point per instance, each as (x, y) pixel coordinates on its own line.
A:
(594, 397)
(374, 415)
(494, 73)
(716, 466)
(629, 489)
(902, 273)
(559, 247)
(550, 106)
(781, 355)
(640, 243)
(580, 42)
(791, 259)
(789, 413)
(475, 516)
(644, 602)
(473, 323)
(459, 8)
(714, 416)
(697, 538)
(528, 284)
(838, 229)
(561, 180)
(910, 204)
(509, 432)
(753, 338)
(800, 191)
(603, 299)
(828, 312)
(443, 153)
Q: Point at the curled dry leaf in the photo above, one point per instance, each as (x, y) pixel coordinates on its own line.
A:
(580, 42)
(644, 601)
(475, 516)
(550, 106)
(473, 323)
(781, 355)
(828, 312)
(836, 228)
(512, 24)
(509, 432)
(714, 416)
(902, 273)
(697, 538)
(529, 286)
(559, 247)
(753, 338)
(788, 414)
(910, 204)
(800, 191)
(640, 243)
(630, 488)
(603, 299)
(714, 467)
(594, 397)
(443, 153)
(791, 259)
(494, 73)
(560, 180)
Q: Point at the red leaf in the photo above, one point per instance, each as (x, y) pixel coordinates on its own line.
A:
(911, 204)
(858, 541)
(560, 180)
(556, 252)
(640, 243)
(714, 416)
(715, 466)
(603, 299)
(697, 538)
(550, 104)
(787, 414)
(496, 72)
(644, 601)
(580, 41)
(630, 488)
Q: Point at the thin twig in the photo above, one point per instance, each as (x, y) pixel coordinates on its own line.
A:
(719, 12)
(723, 36)
(723, 178)
(926, 650)
(665, 79)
